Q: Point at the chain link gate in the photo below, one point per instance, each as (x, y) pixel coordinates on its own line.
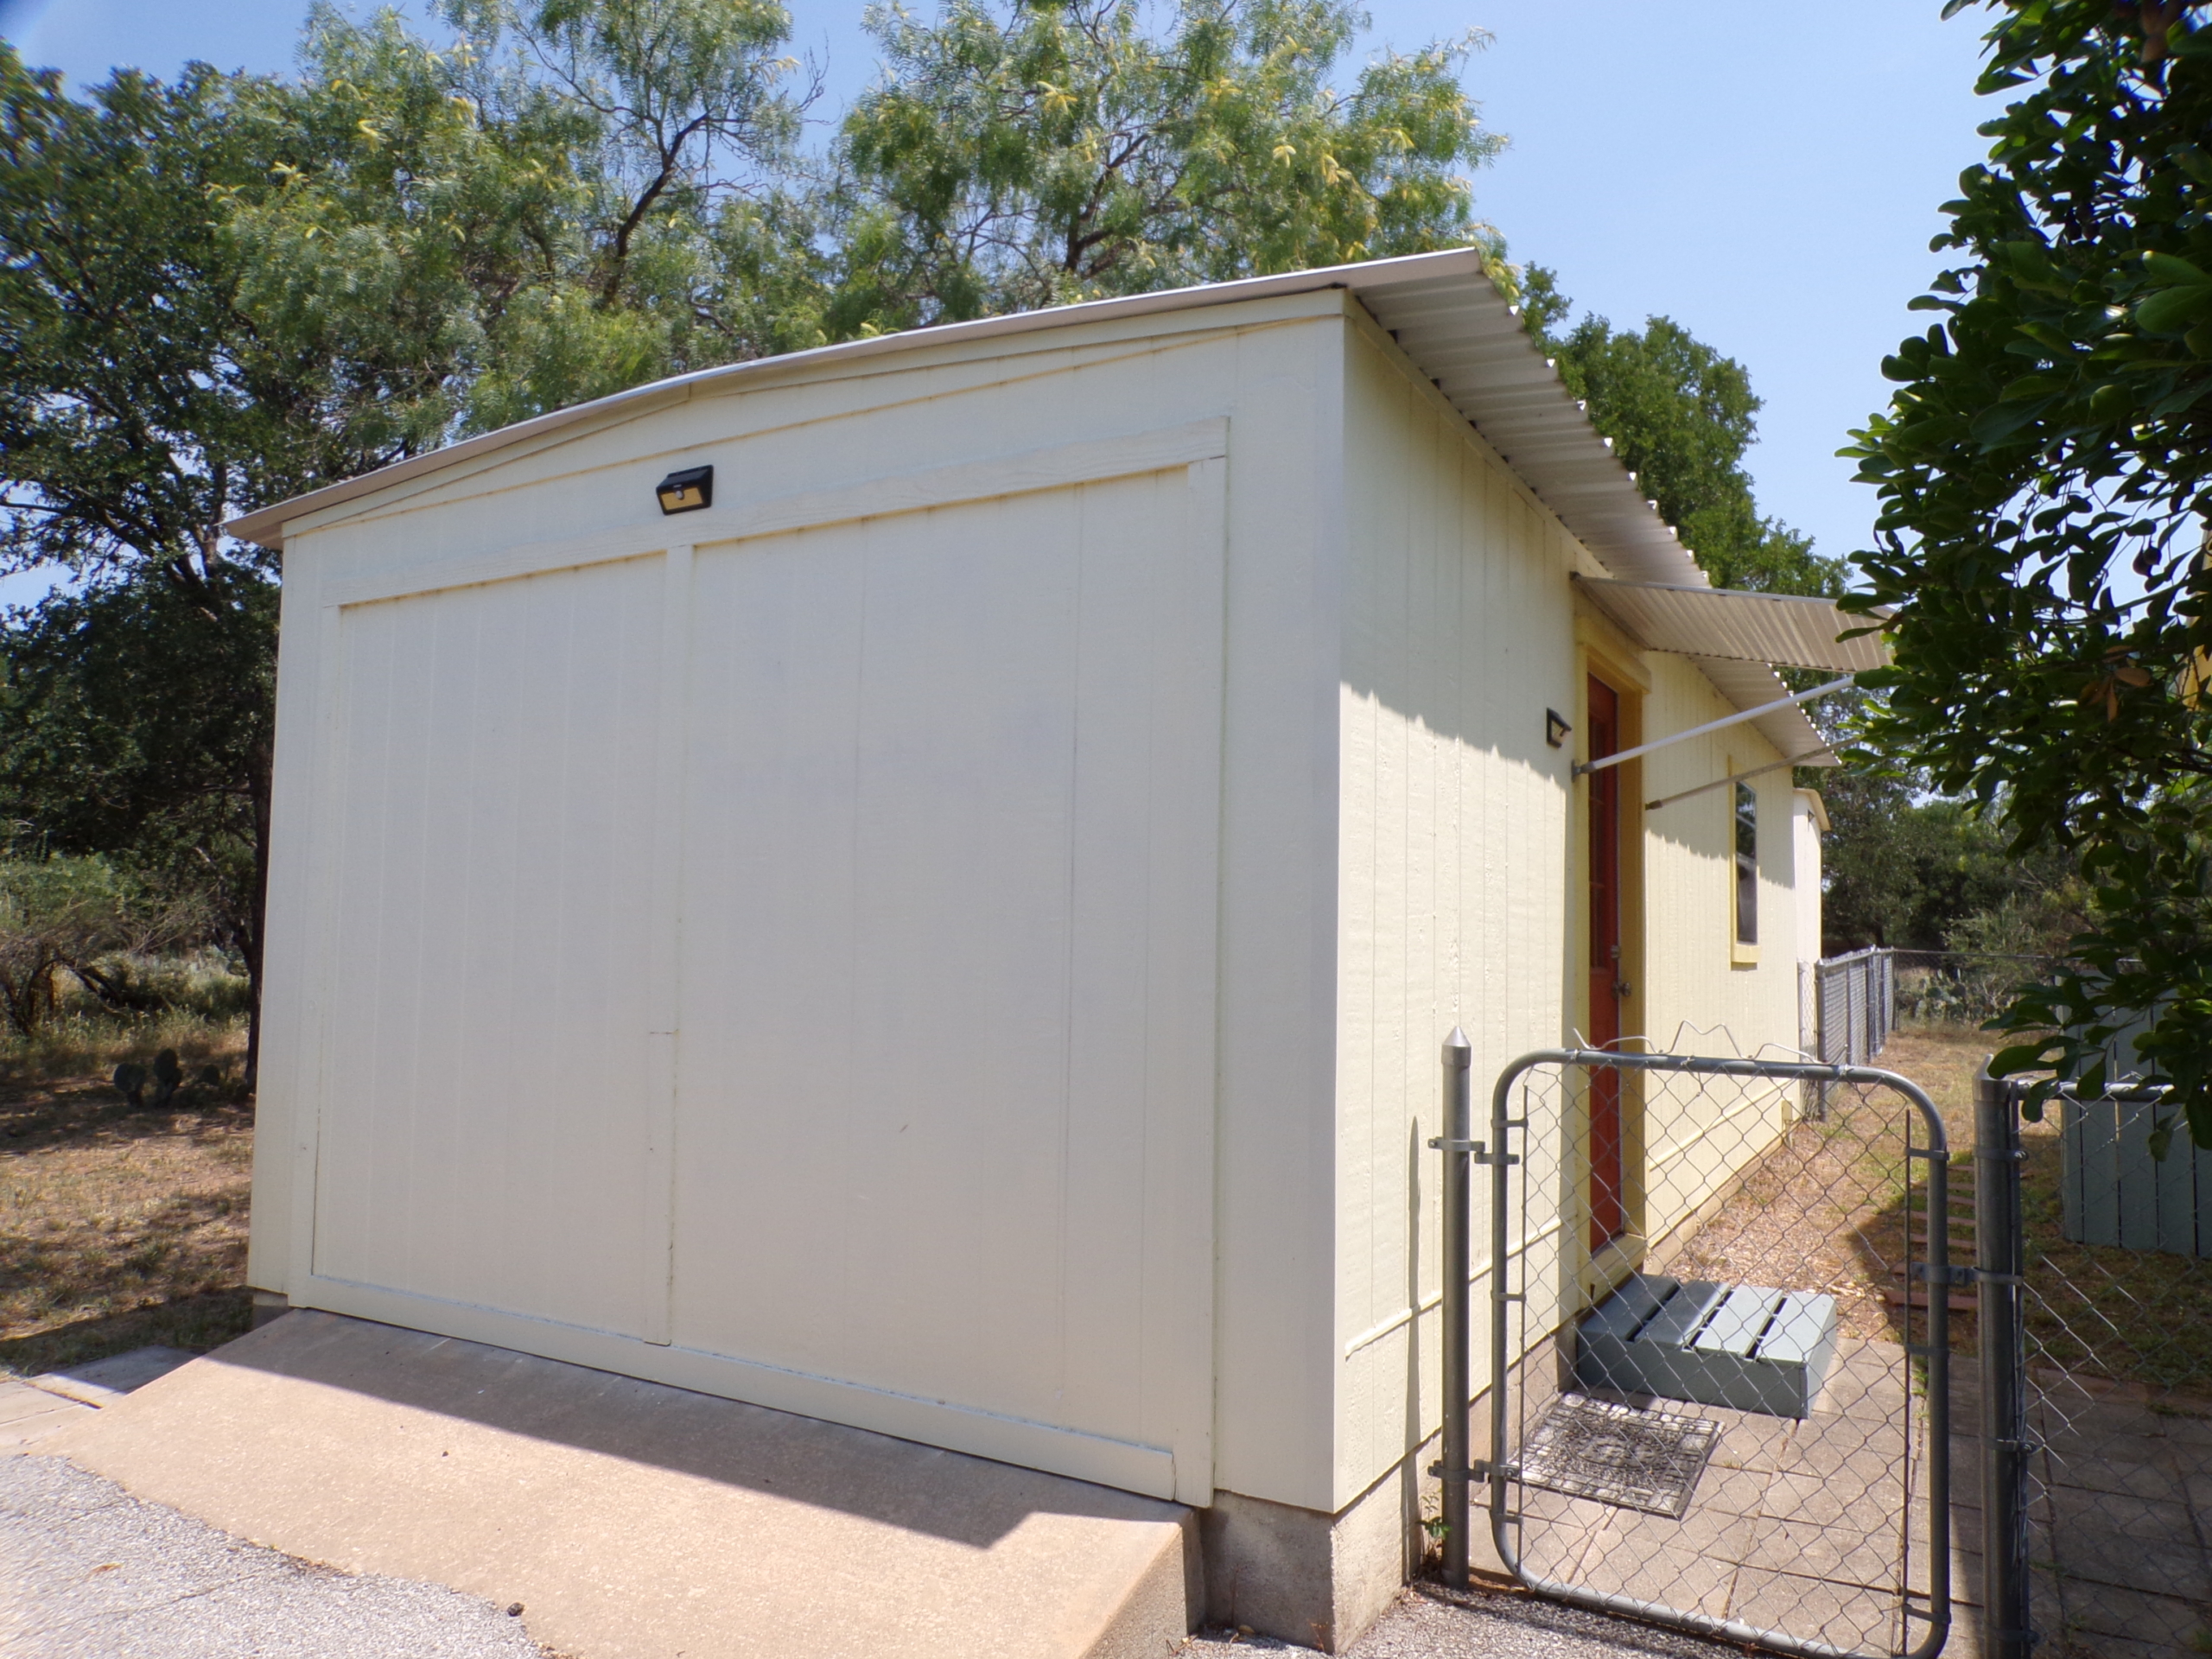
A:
(1732, 1416)
(2094, 1349)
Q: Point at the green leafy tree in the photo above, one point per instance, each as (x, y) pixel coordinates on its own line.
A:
(1058, 150)
(123, 424)
(1903, 870)
(157, 386)
(225, 291)
(570, 199)
(689, 238)
(137, 414)
(135, 722)
(2043, 470)
(66, 915)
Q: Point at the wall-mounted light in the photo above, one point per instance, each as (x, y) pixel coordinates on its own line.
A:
(687, 491)
(1556, 728)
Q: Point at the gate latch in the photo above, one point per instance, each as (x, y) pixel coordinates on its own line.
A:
(1481, 1150)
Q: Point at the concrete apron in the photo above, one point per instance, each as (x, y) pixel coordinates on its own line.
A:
(633, 1519)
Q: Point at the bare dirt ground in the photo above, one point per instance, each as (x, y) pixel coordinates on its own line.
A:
(119, 1226)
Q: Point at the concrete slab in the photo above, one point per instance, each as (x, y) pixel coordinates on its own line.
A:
(28, 1430)
(19, 1401)
(1430, 1622)
(631, 1519)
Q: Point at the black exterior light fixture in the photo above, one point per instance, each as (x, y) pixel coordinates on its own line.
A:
(687, 491)
(1555, 725)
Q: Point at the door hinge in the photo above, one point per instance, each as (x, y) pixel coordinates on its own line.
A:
(1479, 1470)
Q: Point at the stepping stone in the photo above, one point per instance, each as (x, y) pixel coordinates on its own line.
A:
(1742, 1346)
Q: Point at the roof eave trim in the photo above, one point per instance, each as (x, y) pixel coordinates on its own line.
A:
(265, 527)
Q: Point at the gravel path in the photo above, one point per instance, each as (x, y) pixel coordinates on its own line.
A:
(1430, 1622)
(89, 1571)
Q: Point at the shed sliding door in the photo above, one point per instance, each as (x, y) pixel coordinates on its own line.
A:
(487, 842)
(787, 968)
(945, 1112)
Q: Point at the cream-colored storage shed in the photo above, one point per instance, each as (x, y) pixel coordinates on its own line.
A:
(953, 935)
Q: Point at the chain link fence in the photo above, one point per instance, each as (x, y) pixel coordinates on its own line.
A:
(1743, 1316)
(1719, 1382)
(2095, 1494)
(1847, 1005)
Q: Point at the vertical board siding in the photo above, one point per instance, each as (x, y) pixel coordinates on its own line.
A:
(1459, 634)
(483, 1089)
(946, 1102)
(1698, 999)
(1458, 853)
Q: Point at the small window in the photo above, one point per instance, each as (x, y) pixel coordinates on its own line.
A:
(1747, 865)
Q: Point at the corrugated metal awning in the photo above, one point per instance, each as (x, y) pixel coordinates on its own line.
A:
(1459, 330)
(1785, 630)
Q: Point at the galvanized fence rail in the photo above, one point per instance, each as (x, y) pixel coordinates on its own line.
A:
(1718, 1396)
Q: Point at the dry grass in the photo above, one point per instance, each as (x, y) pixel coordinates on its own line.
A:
(1943, 1060)
(1822, 1210)
(1830, 1199)
(201, 1012)
(118, 1226)
(2135, 1317)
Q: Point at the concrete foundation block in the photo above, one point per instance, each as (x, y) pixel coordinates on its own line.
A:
(1321, 1580)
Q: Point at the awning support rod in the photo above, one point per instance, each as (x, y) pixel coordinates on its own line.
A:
(1732, 777)
(1582, 768)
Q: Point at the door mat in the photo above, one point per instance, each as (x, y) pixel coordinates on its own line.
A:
(1631, 1459)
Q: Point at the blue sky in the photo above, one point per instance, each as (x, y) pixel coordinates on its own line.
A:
(1768, 174)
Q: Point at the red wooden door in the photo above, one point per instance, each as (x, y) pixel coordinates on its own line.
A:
(1608, 1211)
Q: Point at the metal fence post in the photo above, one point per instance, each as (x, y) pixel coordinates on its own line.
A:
(2000, 1261)
(1458, 1125)
(1501, 1164)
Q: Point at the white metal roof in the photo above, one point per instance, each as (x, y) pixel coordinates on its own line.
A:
(1787, 630)
(1444, 314)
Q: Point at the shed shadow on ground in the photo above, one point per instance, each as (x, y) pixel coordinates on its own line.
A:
(193, 1322)
(947, 1495)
